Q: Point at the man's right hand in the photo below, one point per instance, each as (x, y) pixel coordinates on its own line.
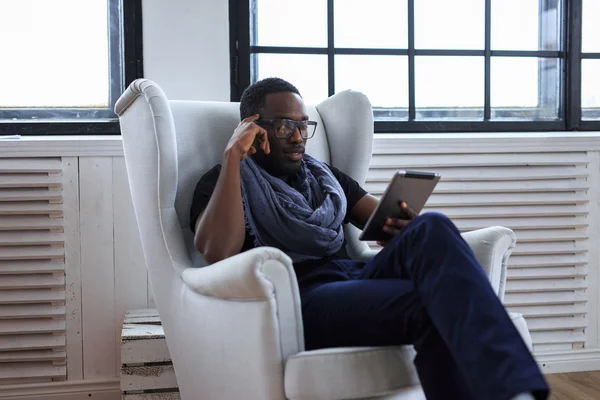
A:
(243, 138)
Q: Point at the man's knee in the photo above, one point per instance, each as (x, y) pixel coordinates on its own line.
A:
(434, 222)
(432, 227)
(434, 217)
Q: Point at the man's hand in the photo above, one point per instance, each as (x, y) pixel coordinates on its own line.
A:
(393, 226)
(243, 138)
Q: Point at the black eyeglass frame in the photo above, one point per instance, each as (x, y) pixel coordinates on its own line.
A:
(290, 124)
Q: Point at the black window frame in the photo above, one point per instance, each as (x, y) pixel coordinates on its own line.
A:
(125, 59)
(569, 57)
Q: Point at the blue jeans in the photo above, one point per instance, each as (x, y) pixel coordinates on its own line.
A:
(424, 288)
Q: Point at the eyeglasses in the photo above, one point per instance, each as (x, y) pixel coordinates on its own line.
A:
(284, 128)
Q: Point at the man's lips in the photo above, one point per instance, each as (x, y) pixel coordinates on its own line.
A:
(294, 154)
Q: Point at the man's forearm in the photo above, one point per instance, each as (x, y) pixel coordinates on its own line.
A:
(220, 230)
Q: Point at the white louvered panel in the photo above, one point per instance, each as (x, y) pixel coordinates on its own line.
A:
(38, 281)
(21, 238)
(31, 252)
(522, 223)
(546, 186)
(30, 208)
(505, 199)
(29, 222)
(553, 310)
(30, 180)
(544, 198)
(542, 347)
(430, 161)
(32, 355)
(552, 272)
(31, 267)
(32, 280)
(515, 300)
(14, 194)
(551, 235)
(454, 174)
(31, 342)
(518, 261)
(512, 211)
(37, 325)
(32, 296)
(571, 247)
(44, 371)
(45, 165)
(22, 311)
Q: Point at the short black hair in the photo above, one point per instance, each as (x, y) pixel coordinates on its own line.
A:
(253, 98)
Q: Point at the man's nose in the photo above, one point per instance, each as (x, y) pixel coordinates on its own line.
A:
(296, 136)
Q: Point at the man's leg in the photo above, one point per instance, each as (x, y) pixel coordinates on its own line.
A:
(462, 306)
(382, 312)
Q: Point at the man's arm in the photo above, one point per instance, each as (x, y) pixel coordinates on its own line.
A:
(220, 228)
(362, 210)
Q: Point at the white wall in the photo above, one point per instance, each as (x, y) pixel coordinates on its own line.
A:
(186, 48)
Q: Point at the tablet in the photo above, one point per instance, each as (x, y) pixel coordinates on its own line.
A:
(412, 187)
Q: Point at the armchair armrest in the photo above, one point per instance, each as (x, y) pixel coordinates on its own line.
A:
(244, 276)
(492, 247)
(239, 318)
(260, 274)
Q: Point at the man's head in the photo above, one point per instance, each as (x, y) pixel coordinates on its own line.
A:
(276, 100)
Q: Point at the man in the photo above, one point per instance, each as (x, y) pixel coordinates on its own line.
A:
(424, 288)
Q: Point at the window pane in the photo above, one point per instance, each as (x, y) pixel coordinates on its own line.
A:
(54, 53)
(525, 87)
(386, 84)
(381, 24)
(444, 24)
(525, 24)
(590, 89)
(305, 71)
(591, 26)
(449, 87)
(290, 23)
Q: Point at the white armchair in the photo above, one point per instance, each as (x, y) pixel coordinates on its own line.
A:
(234, 328)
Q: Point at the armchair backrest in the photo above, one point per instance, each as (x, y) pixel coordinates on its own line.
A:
(190, 136)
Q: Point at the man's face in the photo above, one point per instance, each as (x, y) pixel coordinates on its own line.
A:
(286, 154)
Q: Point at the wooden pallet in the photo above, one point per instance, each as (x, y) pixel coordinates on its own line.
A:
(146, 368)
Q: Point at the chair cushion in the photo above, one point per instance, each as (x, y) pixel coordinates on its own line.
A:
(359, 372)
(349, 373)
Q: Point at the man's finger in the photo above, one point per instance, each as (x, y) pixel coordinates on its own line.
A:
(391, 230)
(409, 212)
(252, 118)
(265, 138)
(396, 222)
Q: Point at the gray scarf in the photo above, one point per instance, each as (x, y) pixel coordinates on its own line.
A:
(304, 221)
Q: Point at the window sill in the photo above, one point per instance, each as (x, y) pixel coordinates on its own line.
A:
(422, 143)
(62, 146)
(463, 143)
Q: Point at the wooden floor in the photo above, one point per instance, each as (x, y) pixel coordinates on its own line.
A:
(575, 386)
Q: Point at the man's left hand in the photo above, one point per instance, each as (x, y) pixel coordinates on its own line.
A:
(393, 226)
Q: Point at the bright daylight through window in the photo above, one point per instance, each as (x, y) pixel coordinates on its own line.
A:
(590, 65)
(63, 61)
(436, 64)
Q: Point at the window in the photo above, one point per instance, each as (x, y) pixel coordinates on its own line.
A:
(65, 63)
(431, 65)
(590, 63)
